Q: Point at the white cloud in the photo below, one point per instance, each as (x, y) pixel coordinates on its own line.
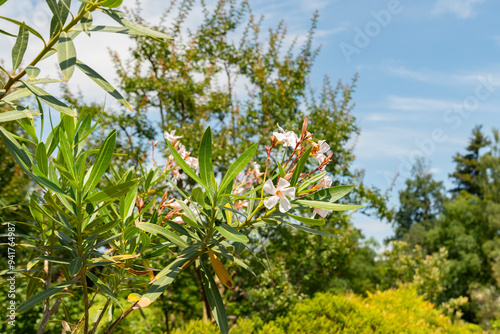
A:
(442, 78)
(462, 9)
(417, 104)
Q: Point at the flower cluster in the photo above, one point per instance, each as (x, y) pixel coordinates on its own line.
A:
(283, 192)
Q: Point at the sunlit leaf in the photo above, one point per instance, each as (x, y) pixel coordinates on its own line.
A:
(98, 79)
(237, 166)
(20, 47)
(50, 100)
(42, 296)
(214, 300)
(66, 55)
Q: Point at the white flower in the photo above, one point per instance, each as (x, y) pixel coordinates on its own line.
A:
(279, 194)
(288, 138)
(321, 212)
(192, 162)
(319, 150)
(178, 220)
(325, 182)
(171, 136)
(256, 168)
(182, 151)
(177, 175)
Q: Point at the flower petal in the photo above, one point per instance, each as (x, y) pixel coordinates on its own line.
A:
(282, 183)
(290, 192)
(271, 202)
(269, 187)
(285, 204)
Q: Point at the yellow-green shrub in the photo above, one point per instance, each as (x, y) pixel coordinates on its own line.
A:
(392, 311)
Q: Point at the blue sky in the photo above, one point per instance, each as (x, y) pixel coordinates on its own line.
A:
(429, 71)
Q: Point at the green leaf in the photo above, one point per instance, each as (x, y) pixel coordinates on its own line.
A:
(309, 181)
(231, 233)
(184, 166)
(237, 166)
(331, 194)
(2, 2)
(42, 296)
(87, 22)
(104, 288)
(24, 25)
(328, 205)
(17, 114)
(310, 230)
(16, 95)
(41, 81)
(111, 193)
(98, 79)
(101, 163)
(199, 196)
(32, 72)
(310, 221)
(24, 161)
(3, 32)
(215, 300)
(300, 166)
(165, 277)
(110, 29)
(136, 28)
(75, 265)
(104, 228)
(66, 55)
(20, 47)
(161, 231)
(50, 100)
(205, 159)
(282, 171)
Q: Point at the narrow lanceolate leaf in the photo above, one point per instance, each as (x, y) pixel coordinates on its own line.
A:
(87, 22)
(137, 28)
(111, 193)
(19, 47)
(328, 205)
(17, 95)
(101, 163)
(32, 72)
(50, 100)
(331, 194)
(205, 159)
(160, 283)
(17, 114)
(184, 166)
(98, 79)
(41, 81)
(300, 166)
(75, 265)
(306, 220)
(104, 288)
(161, 231)
(24, 25)
(231, 233)
(237, 166)
(310, 230)
(215, 300)
(66, 55)
(24, 161)
(42, 296)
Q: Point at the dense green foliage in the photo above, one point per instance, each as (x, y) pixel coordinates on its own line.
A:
(445, 249)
